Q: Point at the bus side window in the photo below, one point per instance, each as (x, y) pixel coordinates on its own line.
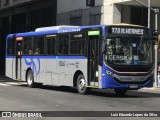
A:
(63, 45)
(51, 46)
(37, 51)
(11, 47)
(38, 48)
(27, 46)
(77, 44)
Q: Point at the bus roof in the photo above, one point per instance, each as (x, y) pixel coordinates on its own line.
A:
(41, 31)
(64, 29)
(55, 28)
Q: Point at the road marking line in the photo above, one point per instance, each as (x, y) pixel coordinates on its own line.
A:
(2, 84)
(12, 83)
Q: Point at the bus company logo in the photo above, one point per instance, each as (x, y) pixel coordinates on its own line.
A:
(69, 30)
(62, 63)
(34, 64)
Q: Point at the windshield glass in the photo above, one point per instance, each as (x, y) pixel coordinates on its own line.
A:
(128, 51)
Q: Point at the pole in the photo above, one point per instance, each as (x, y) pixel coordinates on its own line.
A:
(156, 51)
(149, 12)
(156, 18)
(156, 66)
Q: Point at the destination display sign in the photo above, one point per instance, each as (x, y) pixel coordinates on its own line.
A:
(128, 30)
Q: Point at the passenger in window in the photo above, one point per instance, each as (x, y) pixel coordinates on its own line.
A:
(26, 52)
(30, 52)
(37, 51)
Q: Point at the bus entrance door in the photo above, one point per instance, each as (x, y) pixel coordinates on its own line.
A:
(18, 57)
(93, 60)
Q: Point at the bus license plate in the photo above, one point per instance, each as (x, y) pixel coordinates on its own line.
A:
(133, 86)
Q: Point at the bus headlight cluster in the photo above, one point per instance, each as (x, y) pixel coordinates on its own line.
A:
(110, 73)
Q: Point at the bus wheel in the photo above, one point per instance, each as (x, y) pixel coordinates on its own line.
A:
(30, 79)
(81, 85)
(120, 91)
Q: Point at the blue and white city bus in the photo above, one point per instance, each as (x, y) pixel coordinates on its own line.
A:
(118, 57)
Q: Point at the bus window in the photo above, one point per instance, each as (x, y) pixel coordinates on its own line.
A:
(11, 47)
(28, 46)
(38, 45)
(51, 46)
(63, 45)
(77, 44)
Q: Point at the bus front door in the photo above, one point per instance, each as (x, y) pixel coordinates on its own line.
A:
(18, 59)
(93, 58)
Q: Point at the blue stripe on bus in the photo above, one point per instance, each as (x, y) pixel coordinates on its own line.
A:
(71, 57)
(10, 56)
(51, 57)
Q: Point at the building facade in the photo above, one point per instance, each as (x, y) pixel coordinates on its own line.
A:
(21, 16)
(26, 15)
(75, 12)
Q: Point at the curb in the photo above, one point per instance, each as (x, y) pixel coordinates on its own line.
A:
(153, 88)
(150, 90)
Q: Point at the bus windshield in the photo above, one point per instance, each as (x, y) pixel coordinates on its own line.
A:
(128, 51)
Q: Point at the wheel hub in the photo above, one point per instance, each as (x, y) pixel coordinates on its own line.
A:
(82, 84)
(29, 80)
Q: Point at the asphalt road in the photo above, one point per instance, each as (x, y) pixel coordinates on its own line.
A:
(16, 96)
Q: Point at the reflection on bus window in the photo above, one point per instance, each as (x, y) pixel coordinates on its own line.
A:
(11, 47)
(38, 43)
(27, 46)
(63, 44)
(51, 46)
(77, 47)
(129, 51)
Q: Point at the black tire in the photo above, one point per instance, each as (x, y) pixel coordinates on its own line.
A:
(120, 91)
(30, 79)
(81, 85)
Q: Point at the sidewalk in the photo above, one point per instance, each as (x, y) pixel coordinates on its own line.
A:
(150, 90)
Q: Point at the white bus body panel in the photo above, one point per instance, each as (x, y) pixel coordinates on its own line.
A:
(49, 71)
(10, 68)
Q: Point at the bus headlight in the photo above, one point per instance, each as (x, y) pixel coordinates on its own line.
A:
(110, 73)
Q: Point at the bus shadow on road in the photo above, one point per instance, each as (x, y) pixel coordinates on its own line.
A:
(59, 88)
(103, 93)
(93, 92)
(129, 94)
